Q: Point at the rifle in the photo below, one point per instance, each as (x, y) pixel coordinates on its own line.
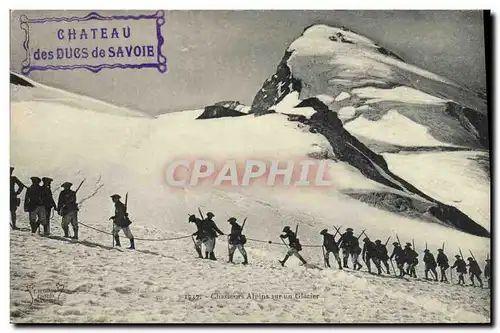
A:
(387, 242)
(443, 247)
(461, 253)
(296, 230)
(413, 243)
(425, 245)
(337, 231)
(201, 214)
(361, 234)
(472, 255)
(398, 240)
(243, 225)
(80, 185)
(126, 201)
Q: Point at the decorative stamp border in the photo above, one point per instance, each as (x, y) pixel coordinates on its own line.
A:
(161, 63)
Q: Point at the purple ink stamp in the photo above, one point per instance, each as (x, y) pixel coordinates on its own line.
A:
(94, 42)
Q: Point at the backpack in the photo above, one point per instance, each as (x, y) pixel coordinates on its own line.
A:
(297, 245)
(243, 239)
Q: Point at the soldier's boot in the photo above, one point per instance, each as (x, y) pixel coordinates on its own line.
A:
(46, 229)
(66, 232)
(426, 275)
(327, 262)
(212, 256)
(245, 262)
(387, 267)
(282, 262)
(33, 227)
(231, 258)
(198, 250)
(206, 254)
(75, 233)
(368, 266)
(359, 266)
(339, 263)
(345, 262)
(379, 270)
(435, 275)
(117, 241)
(480, 282)
(132, 244)
(302, 259)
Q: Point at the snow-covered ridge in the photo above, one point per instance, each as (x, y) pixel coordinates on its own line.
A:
(38, 92)
(358, 78)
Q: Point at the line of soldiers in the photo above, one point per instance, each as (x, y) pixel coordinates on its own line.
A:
(406, 259)
(207, 232)
(39, 204)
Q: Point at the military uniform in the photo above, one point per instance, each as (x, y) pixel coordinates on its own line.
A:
(330, 246)
(370, 254)
(121, 222)
(68, 209)
(474, 271)
(294, 246)
(487, 273)
(382, 254)
(442, 261)
(200, 234)
(461, 269)
(430, 264)
(34, 205)
(48, 202)
(411, 259)
(350, 246)
(399, 256)
(210, 230)
(236, 241)
(14, 200)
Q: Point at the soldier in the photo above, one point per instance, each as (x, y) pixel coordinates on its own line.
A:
(350, 246)
(236, 241)
(370, 253)
(399, 255)
(461, 269)
(211, 229)
(487, 273)
(382, 254)
(48, 202)
(430, 264)
(294, 246)
(411, 260)
(68, 209)
(200, 234)
(332, 246)
(121, 221)
(14, 200)
(33, 204)
(474, 271)
(442, 261)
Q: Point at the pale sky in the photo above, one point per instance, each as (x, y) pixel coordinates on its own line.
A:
(227, 55)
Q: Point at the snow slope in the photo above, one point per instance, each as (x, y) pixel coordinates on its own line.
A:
(129, 154)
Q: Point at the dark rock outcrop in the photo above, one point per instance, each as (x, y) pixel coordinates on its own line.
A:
(216, 111)
(275, 88)
(18, 81)
(373, 166)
